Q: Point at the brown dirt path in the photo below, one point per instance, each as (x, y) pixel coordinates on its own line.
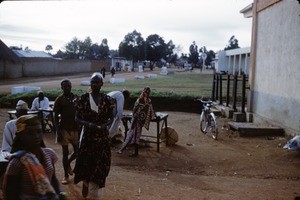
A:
(197, 167)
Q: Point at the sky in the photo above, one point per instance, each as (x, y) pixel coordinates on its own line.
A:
(210, 23)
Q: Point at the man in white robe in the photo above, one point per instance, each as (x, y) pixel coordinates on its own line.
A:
(120, 97)
(10, 129)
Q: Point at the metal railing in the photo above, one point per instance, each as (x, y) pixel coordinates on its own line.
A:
(235, 90)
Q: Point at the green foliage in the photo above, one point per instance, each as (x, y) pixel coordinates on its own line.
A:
(72, 48)
(104, 49)
(172, 92)
(156, 48)
(10, 100)
(133, 46)
(179, 84)
(48, 48)
(77, 49)
(194, 54)
(233, 43)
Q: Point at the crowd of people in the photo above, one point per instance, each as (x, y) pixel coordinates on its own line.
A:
(88, 123)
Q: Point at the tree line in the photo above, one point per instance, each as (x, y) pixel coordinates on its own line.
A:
(134, 47)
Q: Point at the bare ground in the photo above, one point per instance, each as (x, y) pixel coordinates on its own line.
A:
(197, 167)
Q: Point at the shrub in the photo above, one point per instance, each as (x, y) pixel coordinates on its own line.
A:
(162, 101)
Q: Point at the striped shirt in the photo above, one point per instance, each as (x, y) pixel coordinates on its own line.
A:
(16, 168)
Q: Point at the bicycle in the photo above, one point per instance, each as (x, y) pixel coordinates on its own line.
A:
(208, 120)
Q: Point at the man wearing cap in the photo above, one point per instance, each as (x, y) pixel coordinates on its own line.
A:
(10, 128)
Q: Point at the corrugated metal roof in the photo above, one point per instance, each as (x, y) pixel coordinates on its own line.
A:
(32, 54)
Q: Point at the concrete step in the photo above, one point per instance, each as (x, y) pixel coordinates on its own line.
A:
(255, 130)
(216, 111)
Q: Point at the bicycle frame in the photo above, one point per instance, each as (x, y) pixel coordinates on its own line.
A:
(208, 120)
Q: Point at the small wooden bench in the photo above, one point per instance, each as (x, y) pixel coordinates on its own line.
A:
(160, 117)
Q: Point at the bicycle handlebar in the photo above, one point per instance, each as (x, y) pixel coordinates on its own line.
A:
(204, 102)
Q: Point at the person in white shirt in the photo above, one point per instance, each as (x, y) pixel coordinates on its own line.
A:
(40, 102)
(10, 129)
(120, 97)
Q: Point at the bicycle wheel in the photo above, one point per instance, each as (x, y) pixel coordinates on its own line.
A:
(203, 123)
(213, 126)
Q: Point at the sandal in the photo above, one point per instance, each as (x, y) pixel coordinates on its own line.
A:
(65, 181)
(119, 151)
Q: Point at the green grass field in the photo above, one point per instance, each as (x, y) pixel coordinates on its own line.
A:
(182, 84)
(174, 88)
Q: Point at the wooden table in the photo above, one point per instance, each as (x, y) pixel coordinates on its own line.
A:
(3, 164)
(51, 104)
(39, 113)
(12, 113)
(50, 118)
(160, 117)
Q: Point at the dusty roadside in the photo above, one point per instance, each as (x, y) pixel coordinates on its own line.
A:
(197, 167)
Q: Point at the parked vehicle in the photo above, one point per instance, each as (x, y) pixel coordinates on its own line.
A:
(208, 120)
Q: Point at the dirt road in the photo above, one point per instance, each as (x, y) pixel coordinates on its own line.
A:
(197, 167)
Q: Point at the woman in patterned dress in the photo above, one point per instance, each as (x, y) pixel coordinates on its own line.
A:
(30, 173)
(142, 114)
(94, 110)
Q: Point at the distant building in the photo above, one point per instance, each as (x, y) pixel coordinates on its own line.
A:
(10, 63)
(20, 63)
(234, 61)
(121, 63)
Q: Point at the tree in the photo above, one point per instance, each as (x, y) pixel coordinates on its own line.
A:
(84, 48)
(210, 57)
(233, 43)
(59, 54)
(133, 46)
(104, 49)
(94, 52)
(48, 48)
(156, 49)
(72, 49)
(194, 55)
(114, 53)
(77, 49)
(171, 57)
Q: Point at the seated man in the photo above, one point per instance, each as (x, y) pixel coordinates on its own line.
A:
(10, 129)
(42, 102)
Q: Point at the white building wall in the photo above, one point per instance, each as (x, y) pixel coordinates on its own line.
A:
(55, 67)
(233, 61)
(221, 62)
(276, 86)
(121, 63)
